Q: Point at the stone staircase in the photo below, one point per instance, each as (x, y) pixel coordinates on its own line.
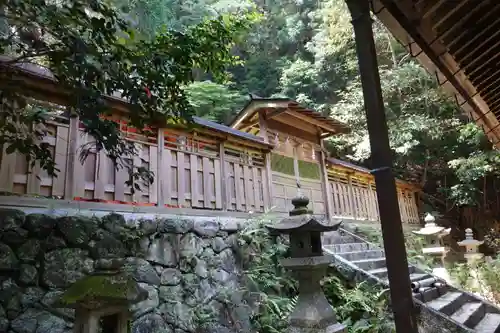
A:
(441, 308)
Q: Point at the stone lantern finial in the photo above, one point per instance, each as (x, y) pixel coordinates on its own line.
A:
(429, 219)
(313, 313)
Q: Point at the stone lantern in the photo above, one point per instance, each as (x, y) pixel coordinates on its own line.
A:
(434, 245)
(471, 247)
(102, 299)
(312, 313)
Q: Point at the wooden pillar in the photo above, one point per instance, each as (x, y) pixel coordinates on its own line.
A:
(267, 162)
(327, 192)
(381, 158)
(71, 168)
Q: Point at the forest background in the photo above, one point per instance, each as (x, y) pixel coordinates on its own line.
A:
(304, 50)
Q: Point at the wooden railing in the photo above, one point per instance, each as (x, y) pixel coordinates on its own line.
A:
(196, 171)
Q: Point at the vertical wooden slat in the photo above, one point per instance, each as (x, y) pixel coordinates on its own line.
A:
(181, 175)
(166, 170)
(207, 188)
(248, 187)
(137, 196)
(33, 184)
(72, 159)
(121, 176)
(7, 170)
(350, 194)
(229, 189)
(296, 165)
(153, 167)
(100, 175)
(221, 184)
(193, 161)
(256, 188)
(237, 187)
(336, 204)
(218, 184)
(161, 177)
(79, 178)
(60, 157)
(268, 184)
(267, 204)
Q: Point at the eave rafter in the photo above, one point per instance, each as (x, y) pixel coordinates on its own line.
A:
(459, 42)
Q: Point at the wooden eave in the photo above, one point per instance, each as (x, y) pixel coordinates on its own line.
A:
(277, 109)
(459, 43)
(45, 88)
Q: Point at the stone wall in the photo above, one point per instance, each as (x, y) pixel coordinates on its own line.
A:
(188, 266)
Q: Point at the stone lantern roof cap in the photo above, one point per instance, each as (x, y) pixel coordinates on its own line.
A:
(469, 239)
(431, 228)
(107, 286)
(302, 219)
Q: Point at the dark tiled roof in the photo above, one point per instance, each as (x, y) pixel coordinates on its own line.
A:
(226, 129)
(348, 165)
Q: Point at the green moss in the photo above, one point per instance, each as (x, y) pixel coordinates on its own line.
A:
(309, 170)
(116, 287)
(283, 164)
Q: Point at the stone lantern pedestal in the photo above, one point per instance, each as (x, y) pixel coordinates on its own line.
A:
(434, 246)
(313, 313)
(102, 299)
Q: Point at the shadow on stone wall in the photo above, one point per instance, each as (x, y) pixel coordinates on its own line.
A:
(187, 266)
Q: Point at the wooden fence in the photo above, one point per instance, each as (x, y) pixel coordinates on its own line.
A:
(357, 199)
(194, 171)
(190, 172)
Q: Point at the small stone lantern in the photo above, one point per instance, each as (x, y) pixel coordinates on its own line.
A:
(102, 299)
(312, 313)
(471, 247)
(434, 245)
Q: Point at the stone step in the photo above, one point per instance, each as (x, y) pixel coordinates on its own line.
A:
(469, 314)
(350, 247)
(448, 303)
(370, 264)
(359, 255)
(381, 273)
(334, 237)
(489, 324)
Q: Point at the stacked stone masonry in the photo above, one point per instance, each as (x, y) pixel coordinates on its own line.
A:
(188, 266)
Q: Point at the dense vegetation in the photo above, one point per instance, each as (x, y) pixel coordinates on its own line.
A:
(305, 51)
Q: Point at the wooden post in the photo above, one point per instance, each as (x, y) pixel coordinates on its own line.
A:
(223, 178)
(160, 176)
(267, 162)
(327, 193)
(70, 188)
(381, 159)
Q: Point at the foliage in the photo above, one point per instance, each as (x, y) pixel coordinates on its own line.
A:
(481, 278)
(214, 101)
(273, 292)
(92, 51)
